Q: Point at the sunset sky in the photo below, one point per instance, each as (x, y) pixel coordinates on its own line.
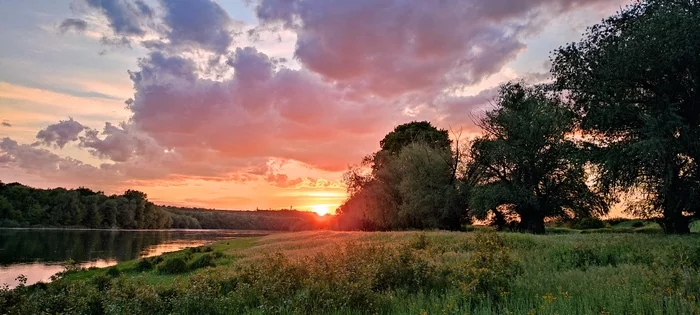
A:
(252, 103)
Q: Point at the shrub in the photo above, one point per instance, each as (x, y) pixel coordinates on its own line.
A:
(144, 265)
(156, 260)
(489, 271)
(588, 223)
(101, 281)
(194, 250)
(113, 272)
(206, 260)
(172, 265)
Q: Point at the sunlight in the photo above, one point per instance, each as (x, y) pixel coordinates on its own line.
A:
(321, 209)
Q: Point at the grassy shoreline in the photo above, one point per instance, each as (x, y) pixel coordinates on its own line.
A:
(326, 272)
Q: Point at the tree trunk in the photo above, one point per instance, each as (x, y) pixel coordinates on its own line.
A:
(676, 224)
(532, 223)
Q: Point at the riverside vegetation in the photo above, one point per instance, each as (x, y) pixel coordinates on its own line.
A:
(323, 272)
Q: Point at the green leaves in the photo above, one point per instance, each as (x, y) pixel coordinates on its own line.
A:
(634, 80)
(534, 168)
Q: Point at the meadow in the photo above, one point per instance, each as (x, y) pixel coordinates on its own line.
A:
(632, 271)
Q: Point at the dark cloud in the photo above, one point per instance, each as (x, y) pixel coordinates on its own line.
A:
(126, 18)
(77, 25)
(61, 133)
(199, 23)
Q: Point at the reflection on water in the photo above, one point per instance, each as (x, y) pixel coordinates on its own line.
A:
(39, 253)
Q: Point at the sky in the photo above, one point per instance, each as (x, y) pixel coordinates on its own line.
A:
(252, 104)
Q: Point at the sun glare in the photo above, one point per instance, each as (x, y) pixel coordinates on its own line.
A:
(321, 209)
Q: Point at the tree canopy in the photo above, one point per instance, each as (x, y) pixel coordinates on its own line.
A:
(532, 167)
(410, 183)
(634, 81)
(23, 206)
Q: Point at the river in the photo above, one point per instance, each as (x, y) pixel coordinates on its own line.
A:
(40, 253)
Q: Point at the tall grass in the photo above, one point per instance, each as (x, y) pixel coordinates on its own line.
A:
(396, 273)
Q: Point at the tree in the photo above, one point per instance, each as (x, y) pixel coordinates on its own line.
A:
(110, 212)
(532, 168)
(93, 216)
(430, 195)
(410, 183)
(416, 131)
(634, 80)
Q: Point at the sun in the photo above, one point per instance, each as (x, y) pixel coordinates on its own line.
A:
(321, 209)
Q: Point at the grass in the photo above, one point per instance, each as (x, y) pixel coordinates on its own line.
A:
(434, 272)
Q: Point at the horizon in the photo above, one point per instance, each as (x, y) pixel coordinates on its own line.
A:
(228, 105)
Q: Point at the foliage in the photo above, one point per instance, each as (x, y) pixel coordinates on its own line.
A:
(172, 265)
(23, 206)
(633, 80)
(203, 261)
(590, 223)
(144, 264)
(532, 166)
(413, 182)
(399, 273)
(79, 207)
(409, 133)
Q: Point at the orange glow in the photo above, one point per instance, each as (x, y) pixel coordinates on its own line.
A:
(321, 209)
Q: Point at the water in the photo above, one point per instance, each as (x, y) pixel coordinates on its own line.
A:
(39, 253)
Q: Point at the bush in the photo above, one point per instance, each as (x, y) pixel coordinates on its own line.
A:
(173, 265)
(156, 260)
(194, 250)
(489, 271)
(588, 224)
(144, 264)
(113, 272)
(101, 282)
(206, 260)
(638, 224)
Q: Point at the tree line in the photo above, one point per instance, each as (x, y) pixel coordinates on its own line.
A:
(24, 206)
(621, 118)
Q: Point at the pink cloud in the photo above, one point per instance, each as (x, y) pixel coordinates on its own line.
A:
(366, 65)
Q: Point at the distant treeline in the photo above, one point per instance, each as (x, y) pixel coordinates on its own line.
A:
(24, 206)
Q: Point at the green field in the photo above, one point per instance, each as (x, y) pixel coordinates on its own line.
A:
(478, 272)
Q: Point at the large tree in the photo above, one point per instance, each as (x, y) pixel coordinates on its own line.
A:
(533, 169)
(634, 80)
(410, 183)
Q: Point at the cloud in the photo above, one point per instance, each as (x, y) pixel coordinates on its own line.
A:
(78, 25)
(6, 123)
(199, 23)
(173, 25)
(48, 165)
(390, 48)
(120, 144)
(60, 134)
(261, 111)
(126, 18)
(365, 66)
